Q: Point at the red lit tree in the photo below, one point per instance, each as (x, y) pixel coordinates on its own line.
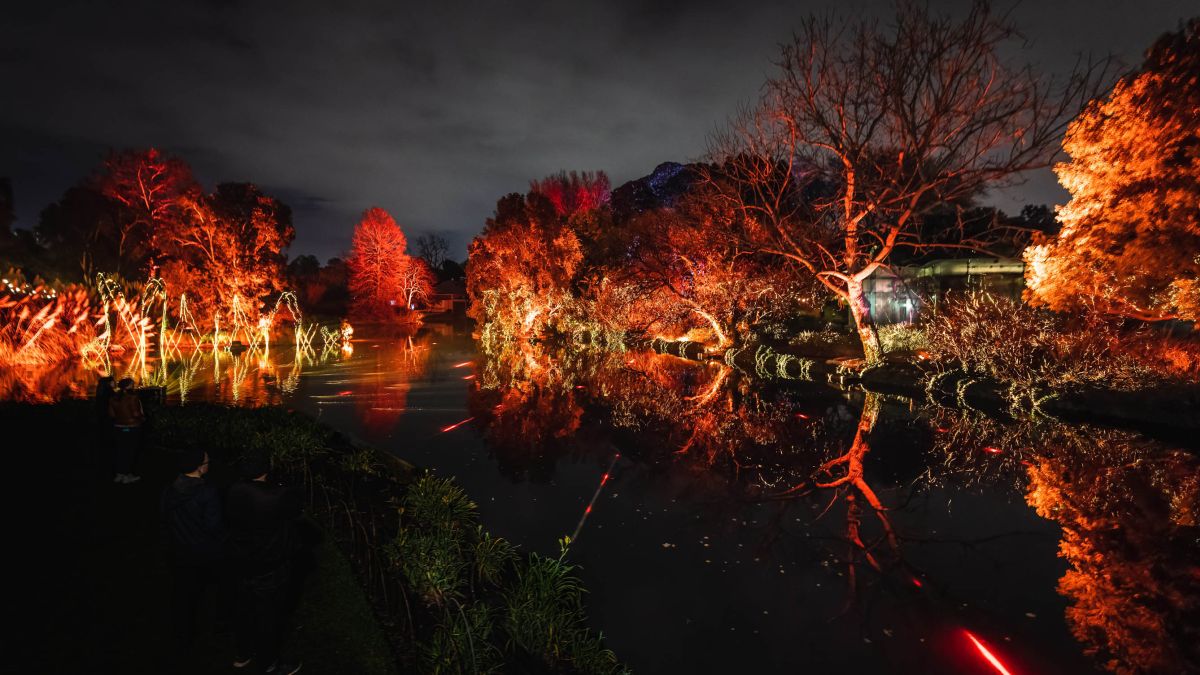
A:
(865, 129)
(1130, 238)
(152, 189)
(574, 192)
(382, 275)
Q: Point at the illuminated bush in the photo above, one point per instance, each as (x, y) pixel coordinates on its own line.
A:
(1034, 349)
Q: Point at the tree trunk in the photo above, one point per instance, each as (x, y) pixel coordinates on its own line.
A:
(860, 309)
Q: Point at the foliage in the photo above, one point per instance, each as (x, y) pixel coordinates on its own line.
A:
(1129, 537)
(291, 441)
(1131, 233)
(453, 565)
(868, 126)
(901, 337)
(1033, 349)
(40, 325)
(384, 280)
(575, 192)
(144, 215)
(521, 268)
(543, 616)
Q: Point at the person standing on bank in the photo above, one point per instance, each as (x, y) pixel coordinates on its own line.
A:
(195, 537)
(263, 540)
(125, 408)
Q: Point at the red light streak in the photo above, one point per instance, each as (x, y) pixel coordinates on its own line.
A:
(456, 425)
(345, 393)
(917, 582)
(588, 511)
(469, 377)
(802, 416)
(991, 658)
(464, 364)
(992, 450)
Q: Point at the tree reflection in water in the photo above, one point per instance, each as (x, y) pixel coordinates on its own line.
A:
(250, 377)
(1127, 508)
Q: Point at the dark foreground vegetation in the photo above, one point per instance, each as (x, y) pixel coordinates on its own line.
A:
(405, 579)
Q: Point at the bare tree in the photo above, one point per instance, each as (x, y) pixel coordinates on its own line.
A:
(866, 127)
(433, 249)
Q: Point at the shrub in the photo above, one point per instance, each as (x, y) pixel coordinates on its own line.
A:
(902, 337)
(1033, 349)
(543, 616)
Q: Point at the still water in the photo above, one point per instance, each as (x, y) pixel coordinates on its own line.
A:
(725, 524)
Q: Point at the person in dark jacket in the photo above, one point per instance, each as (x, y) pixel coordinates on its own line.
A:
(263, 540)
(125, 408)
(195, 537)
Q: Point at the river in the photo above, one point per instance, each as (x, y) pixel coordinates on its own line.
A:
(724, 523)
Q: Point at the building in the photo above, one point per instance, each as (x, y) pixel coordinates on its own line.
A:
(898, 295)
(448, 297)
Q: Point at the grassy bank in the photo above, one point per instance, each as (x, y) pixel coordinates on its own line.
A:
(451, 597)
(406, 580)
(94, 593)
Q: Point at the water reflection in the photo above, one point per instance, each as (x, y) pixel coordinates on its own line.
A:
(855, 531)
(1127, 506)
(266, 375)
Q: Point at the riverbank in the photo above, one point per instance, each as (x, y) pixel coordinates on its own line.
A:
(1170, 407)
(405, 578)
(95, 594)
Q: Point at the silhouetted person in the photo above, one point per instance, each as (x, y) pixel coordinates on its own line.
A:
(262, 519)
(125, 408)
(104, 394)
(102, 439)
(195, 537)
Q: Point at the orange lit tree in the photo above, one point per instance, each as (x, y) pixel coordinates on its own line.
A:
(381, 272)
(681, 275)
(867, 127)
(521, 268)
(230, 246)
(1130, 239)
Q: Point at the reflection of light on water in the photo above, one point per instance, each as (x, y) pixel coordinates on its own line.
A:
(991, 658)
(456, 425)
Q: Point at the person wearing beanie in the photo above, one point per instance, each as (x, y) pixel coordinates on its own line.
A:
(195, 538)
(264, 545)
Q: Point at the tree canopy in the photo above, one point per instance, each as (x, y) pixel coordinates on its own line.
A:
(1130, 239)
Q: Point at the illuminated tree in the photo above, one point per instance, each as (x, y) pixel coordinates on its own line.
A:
(574, 192)
(152, 189)
(865, 128)
(521, 267)
(1130, 238)
(682, 275)
(416, 282)
(231, 244)
(379, 267)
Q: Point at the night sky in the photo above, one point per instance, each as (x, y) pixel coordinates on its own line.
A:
(431, 111)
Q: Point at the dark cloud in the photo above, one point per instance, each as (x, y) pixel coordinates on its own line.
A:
(431, 110)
